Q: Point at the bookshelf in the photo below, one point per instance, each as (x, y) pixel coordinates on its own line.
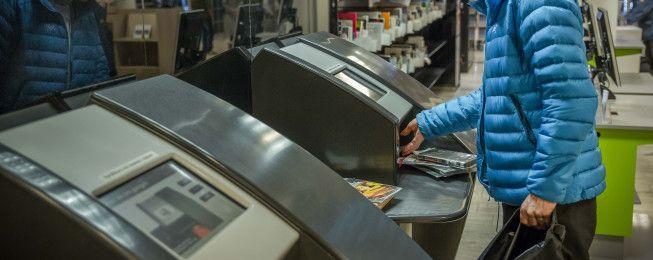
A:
(444, 35)
(145, 57)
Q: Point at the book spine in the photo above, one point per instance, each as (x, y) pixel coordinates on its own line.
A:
(441, 161)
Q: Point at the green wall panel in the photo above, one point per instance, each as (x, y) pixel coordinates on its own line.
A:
(615, 205)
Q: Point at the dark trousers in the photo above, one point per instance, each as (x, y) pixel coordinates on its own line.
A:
(579, 220)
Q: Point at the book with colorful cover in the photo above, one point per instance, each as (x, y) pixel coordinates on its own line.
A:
(353, 17)
(386, 19)
(346, 30)
(379, 194)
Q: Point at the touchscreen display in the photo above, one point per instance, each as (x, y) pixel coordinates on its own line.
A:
(360, 85)
(174, 207)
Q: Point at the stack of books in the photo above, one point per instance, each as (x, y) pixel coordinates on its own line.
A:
(408, 55)
(374, 29)
(440, 163)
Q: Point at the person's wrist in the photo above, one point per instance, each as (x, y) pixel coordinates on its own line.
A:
(420, 123)
(542, 200)
(536, 212)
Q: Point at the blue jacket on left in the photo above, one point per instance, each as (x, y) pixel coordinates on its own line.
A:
(39, 56)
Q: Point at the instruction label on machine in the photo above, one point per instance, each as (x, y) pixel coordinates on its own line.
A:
(137, 162)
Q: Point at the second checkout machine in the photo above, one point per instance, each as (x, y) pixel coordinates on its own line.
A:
(228, 75)
(346, 106)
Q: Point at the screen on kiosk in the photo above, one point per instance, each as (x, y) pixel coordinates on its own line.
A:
(172, 205)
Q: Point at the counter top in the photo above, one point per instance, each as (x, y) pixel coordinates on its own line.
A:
(627, 43)
(633, 112)
(428, 200)
(635, 83)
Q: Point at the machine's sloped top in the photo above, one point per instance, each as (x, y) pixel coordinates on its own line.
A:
(414, 91)
(287, 177)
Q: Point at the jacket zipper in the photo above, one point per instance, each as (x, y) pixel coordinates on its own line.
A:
(69, 61)
(524, 121)
(482, 140)
(69, 29)
(68, 25)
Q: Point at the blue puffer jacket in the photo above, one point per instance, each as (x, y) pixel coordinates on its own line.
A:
(35, 52)
(535, 111)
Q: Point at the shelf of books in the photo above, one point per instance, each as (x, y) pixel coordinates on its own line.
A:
(418, 37)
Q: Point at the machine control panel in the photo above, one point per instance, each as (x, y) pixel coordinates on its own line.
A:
(352, 77)
(360, 85)
(174, 206)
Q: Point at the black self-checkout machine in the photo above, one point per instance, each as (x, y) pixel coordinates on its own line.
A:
(228, 75)
(158, 169)
(346, 106)
(403, 84)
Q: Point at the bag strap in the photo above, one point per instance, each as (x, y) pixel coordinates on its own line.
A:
(512, 243)
(554, 221)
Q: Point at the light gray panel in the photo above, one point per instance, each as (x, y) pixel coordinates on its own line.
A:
(319, 59)
(74, 152)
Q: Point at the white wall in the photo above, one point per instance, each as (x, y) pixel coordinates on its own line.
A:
(322, 15)
(313, 15)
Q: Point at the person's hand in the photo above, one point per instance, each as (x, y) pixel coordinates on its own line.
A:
(412, 127)
(536, 212)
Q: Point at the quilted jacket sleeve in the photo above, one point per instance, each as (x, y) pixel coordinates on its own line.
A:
(7, 23)
(456, 115)
(552, 38)
(7, 35)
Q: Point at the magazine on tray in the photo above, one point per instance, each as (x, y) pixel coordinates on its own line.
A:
(379, 194)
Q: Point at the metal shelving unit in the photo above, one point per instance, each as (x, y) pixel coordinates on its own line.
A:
(442, 36)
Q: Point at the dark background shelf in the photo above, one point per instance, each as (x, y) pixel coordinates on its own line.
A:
(436, 48)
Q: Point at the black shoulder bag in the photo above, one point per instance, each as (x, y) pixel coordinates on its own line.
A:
(516, 241)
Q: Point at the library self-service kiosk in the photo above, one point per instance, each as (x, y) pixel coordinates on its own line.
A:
(158, 169)
(346, 107)
(321, 85)
(403, 84)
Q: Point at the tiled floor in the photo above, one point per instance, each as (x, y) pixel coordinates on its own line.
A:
(483, 215)
(639, 246)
